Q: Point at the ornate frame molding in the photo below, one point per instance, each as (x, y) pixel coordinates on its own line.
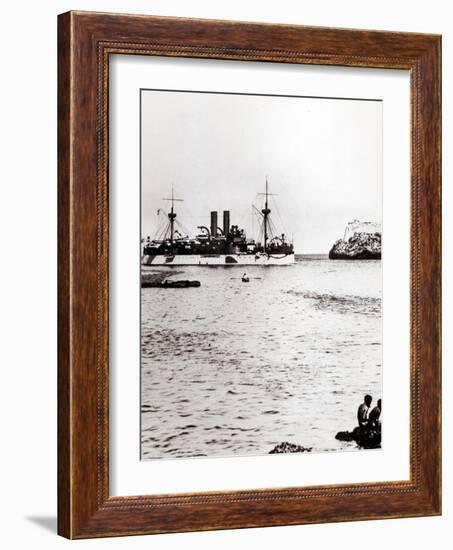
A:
(86, 40)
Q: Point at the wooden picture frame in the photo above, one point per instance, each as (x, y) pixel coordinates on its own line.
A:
(85, 42)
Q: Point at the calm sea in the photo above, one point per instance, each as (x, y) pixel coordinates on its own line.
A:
(232, 368)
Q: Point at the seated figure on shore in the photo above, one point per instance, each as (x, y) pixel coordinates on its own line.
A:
(373, 420)
(363, 411)
(367, 434)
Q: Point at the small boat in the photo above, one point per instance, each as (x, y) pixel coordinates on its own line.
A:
(245, 279)
(170, 284)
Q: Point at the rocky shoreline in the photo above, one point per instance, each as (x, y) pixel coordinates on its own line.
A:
(361, 246)
(285, 447)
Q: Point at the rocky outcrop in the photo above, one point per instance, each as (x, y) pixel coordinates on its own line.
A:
(367, 438)
(286, 447)
(361, 246)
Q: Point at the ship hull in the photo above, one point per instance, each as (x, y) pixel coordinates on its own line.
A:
(218, 260)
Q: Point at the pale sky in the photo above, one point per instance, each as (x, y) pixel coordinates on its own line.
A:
(323, 158)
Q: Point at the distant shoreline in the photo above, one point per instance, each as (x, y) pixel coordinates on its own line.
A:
(311, 256)
(316, 257)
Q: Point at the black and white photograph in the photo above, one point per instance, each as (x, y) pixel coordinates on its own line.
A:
(261, 276)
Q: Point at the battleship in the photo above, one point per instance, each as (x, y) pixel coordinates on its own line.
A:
(218, 246)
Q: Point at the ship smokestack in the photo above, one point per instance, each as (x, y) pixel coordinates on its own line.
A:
(226, 222)
(214, 224)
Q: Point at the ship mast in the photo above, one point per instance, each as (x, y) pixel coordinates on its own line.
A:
(172, 215)
(266, 211)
